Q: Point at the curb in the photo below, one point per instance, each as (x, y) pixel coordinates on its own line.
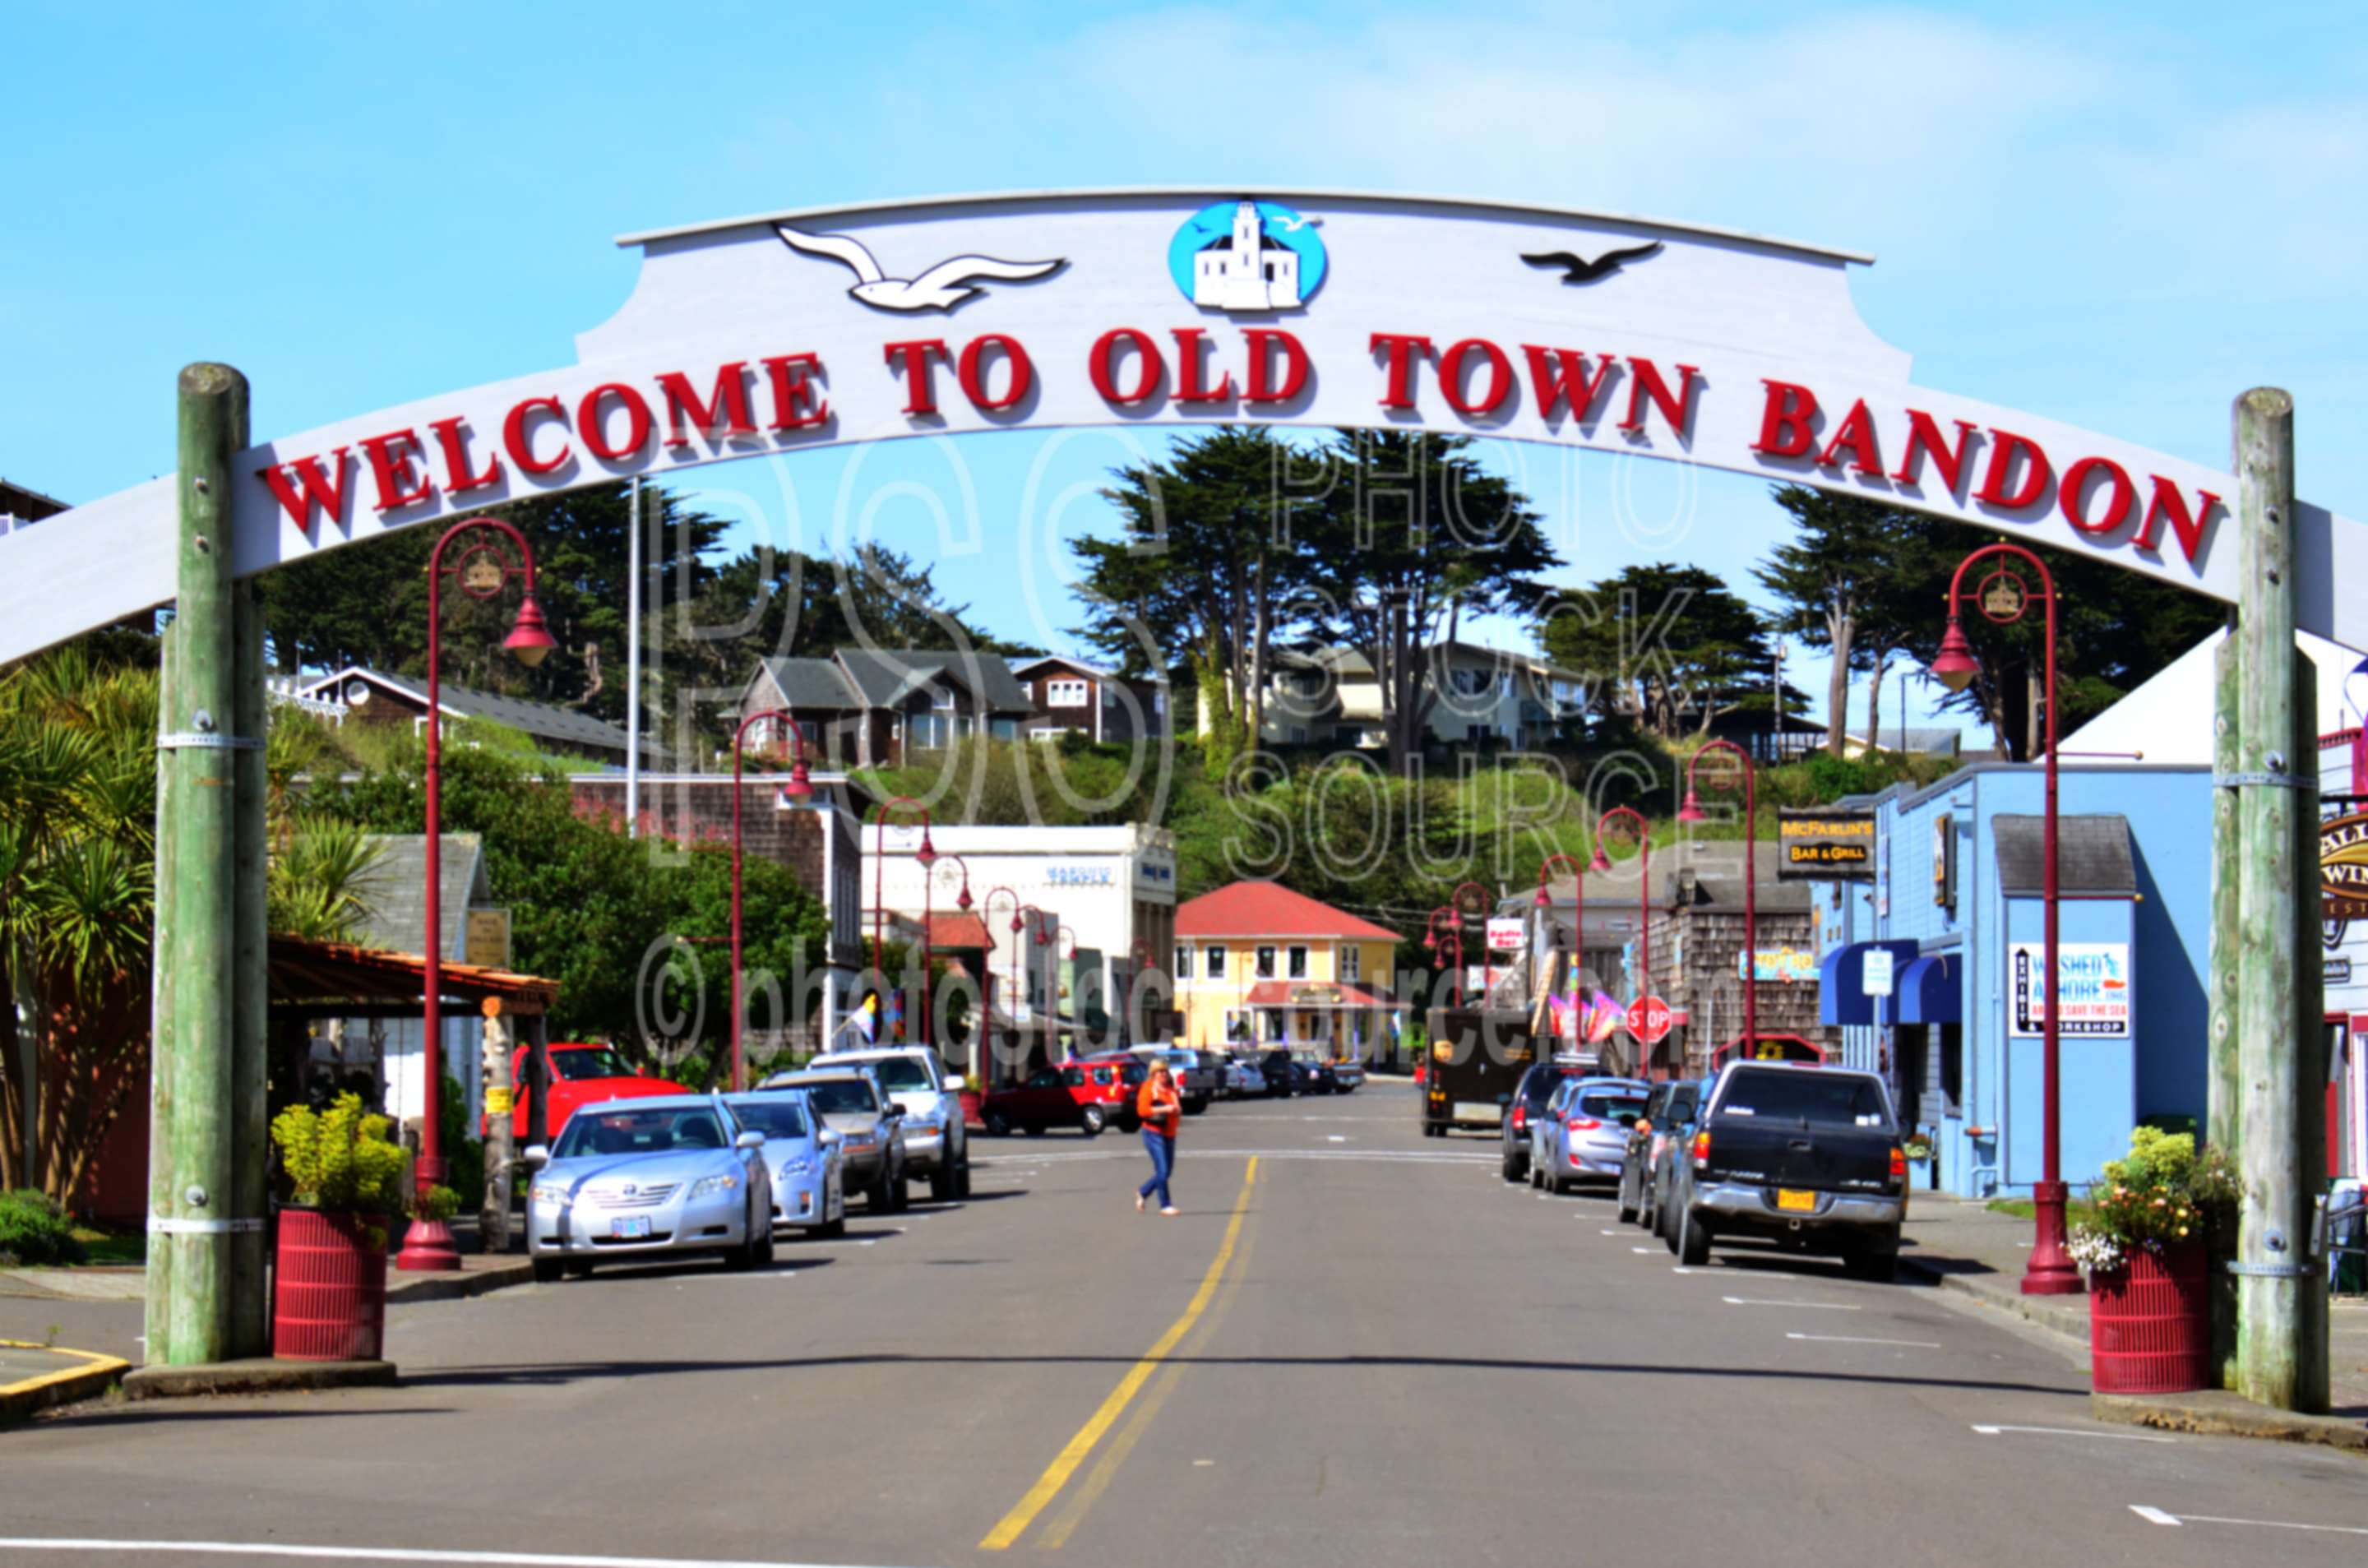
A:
(459, 1285)
(258, 1376)
(18, 1400)
(2216, 1414)
(2032, 1309)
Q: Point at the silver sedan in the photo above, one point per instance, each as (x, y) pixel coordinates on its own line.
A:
(1583, 1133)
(809, 1186)
(644, 1179)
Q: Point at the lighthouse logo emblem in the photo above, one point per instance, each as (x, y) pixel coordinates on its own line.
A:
(1248, 256)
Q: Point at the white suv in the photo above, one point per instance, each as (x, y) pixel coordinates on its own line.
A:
(937, 1145)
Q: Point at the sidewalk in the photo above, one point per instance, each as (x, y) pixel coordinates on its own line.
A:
(1966, 1248)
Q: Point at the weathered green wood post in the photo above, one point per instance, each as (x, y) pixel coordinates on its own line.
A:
(250, 1330)
(2281, 1320)
(192, 1198)
(2223, 1115)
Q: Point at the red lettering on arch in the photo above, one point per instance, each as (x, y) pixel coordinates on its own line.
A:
(1566, 381)
(1260, 386)
(920, 388)
(1190, 387)
(1784, 422)
(1405, 349)
(457, 477)
(313, 486)
(2076, 480)
(726, 405)
(1450, 376)
(520, 446)
(971, 370)
(399, 484)
(1856, 436)
(594, 428)
(1676, 407)
(796, 404)
(2169, 506)
(1924, 437)
(2006, 449)
(1101, 365)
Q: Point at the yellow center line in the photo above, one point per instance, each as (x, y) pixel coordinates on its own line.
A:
(1056, 1474)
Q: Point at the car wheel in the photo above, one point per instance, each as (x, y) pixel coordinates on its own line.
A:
(1877, 1261)
(1092, 1120)
(1694, 1240)
(1195, 1106)
(829, 1230)
(549, 1271)
(941, 1185)
(1511, 1165)
(1627, 1209)
(997, 1124)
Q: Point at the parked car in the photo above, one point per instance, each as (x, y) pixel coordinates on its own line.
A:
(1665, 1108)
(1244, 1077)
(581, 1074)
(649, 1178)
(848, 1099)
(1347, 1076)
(1804, 1155)
(937, 1144)
(1675, 1150)
(1535, 1087)
(802, 1155)
(1283, 1075)
(1584, 1132)
(1087, 1095)
(1198, 1078)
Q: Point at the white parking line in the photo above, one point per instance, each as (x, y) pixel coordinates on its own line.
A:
(1814, 1306)
(1853, 1339)
(1645, 1251)
(1608, 1233)
(2074, 1432)
(376, 1553)
(2156, 1516)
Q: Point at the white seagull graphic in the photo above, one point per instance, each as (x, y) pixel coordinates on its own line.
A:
(942, 287)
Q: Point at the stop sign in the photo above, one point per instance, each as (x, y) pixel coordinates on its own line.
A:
(1649, 1019)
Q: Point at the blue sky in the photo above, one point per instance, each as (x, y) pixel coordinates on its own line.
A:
(2121, 215)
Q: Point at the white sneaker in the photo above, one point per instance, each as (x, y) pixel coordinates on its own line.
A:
(1171, 1208)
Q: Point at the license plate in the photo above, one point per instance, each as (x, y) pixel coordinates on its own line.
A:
(1793, 1197)
(629, 1228)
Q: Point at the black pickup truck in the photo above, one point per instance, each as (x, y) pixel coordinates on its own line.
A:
(1804, 1155)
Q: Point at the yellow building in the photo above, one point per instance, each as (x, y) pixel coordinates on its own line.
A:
(1257, 963)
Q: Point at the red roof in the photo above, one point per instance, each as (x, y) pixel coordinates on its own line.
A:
(1269, 909)
(961, 930)
(1318, 994)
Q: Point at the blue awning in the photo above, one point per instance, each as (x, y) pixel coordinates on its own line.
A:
(1841, 982)
(1932, 989)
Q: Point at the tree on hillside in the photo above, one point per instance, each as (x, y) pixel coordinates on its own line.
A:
(1659, 643)
(1197, 577)
(368, 604)
(1411, 535)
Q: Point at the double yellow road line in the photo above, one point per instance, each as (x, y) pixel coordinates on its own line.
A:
(1058, 1473)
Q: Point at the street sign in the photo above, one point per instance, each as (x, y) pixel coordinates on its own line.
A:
(1876, 980)
(1649, 1019)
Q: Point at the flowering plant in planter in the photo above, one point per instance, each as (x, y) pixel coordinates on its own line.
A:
(329, 1271)
(2163, 1194)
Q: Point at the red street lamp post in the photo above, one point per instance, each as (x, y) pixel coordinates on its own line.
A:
(2004, 597)
(1011, 1011)
(483, 571)
(1455, 943)
(1603, 862)
(927, 855)
(1455, 902)
(1025, 918)
(928, 937)
(1544, 902)
(1691, 812)
(799, 789)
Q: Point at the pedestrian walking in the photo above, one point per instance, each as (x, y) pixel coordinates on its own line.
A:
(1157, 1107)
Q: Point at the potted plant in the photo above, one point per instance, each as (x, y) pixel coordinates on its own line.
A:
(2145, 1249)
(329, 1273)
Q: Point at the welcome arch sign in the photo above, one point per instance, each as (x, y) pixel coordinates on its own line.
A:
(1143, 308)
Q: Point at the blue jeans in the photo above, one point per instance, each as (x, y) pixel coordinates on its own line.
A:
(1162, 1149)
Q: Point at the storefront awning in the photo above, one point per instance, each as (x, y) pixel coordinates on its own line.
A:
(1316, 994)
(1842, 1000)
(1932, 989)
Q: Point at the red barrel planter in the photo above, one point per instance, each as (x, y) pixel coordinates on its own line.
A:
(329, 1287)
(2150, 1323)
(974, 1108)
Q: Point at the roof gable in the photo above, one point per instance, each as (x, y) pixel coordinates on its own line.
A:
(1269, 909)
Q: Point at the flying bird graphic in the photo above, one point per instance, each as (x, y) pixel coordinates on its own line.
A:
(1579, 270)
(942, 287)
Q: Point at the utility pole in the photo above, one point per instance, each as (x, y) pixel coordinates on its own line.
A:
(250, 1154)
(193, 1197)
(2282, 1326)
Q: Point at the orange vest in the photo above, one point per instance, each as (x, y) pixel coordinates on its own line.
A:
(1158, 1109)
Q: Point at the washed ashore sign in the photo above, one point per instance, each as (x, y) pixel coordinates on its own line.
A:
(1136, 309)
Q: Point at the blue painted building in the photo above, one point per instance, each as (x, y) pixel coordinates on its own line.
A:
(1956, 904)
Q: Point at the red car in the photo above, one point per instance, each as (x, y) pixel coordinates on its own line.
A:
(580, 1075)
(1089, 1095)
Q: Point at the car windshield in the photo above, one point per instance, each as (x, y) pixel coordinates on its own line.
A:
(1622, 1105)
(779, 1118)
(899, 1073)
(577, 1062)
(1805, 1097)
(841, 1097)
(639, 1132)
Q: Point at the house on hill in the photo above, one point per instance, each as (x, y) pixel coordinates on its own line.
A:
(374, 696)
(866, 706)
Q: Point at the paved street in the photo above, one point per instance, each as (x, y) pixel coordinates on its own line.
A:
(1356, 1347)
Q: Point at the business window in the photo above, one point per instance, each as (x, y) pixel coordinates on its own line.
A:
(1266, 963)
(1216, 951)
(1352, 961)
(1184, 959)
(1297, 959)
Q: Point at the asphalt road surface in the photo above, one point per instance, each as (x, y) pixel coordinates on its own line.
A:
(1356, 1347)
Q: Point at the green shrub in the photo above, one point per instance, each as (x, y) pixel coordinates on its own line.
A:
(2163, 1194)
(340, 1160)
(34, 1230)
